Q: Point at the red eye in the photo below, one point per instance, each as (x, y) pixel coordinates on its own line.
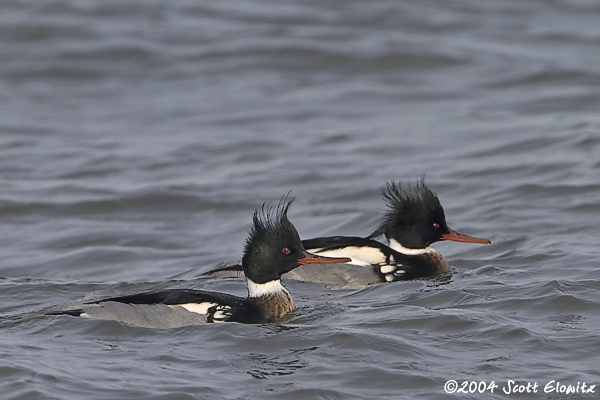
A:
(286, 250)
(436, 225)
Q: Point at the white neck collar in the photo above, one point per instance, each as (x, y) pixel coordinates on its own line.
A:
(395, 245)
(263, 289)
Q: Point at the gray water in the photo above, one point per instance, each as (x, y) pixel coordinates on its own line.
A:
(137, 138)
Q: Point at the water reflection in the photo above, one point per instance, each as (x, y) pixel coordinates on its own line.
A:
(263, 366)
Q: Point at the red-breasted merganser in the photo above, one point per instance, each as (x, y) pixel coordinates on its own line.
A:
(272, 249)
(415, 219)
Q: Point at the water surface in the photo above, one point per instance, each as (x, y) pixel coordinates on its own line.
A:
(137, 138)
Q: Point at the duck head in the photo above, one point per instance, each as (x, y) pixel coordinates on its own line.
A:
(415, 217)
(274, 246)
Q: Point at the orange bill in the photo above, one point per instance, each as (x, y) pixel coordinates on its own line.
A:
(459, 237)
(310, 258)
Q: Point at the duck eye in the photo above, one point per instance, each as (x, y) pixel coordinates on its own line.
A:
(436, 225)
(286, 250)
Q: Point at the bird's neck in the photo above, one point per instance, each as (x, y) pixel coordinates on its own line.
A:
(395, 245)
(271, 297)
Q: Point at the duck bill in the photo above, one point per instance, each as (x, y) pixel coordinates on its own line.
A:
(459, 237)
(310, 258)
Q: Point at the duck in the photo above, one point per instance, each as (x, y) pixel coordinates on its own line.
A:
(414, 220)
(272, 249)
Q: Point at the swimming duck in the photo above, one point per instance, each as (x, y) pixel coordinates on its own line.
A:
(415, 219)
(272, 249)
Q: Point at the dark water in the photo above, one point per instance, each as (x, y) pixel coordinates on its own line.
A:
(136, 139)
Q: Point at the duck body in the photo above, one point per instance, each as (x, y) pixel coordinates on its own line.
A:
(272, 249)
(180, 307)
(388, 265)
(372, 262)
(415, 219)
